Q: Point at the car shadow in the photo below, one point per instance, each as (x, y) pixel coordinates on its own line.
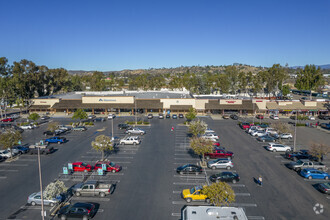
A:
(192, 154)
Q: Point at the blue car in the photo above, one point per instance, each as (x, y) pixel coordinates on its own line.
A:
(21, 149)
(311, 173)
(266, 138)
(58, 140)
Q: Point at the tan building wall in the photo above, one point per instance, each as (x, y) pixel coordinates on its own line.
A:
(200, 103)
(168, 102)
(309, 103)
(284, 103)
(230, 102)
(261, 103)
(50, 102)
(107, 99)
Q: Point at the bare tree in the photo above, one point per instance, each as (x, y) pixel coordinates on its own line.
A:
(201, 146)
(319, 150)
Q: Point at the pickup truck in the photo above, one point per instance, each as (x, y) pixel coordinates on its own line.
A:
(302, 154)
(44, 149)
(92, 188)
(58, 140)
(302, 164)
(219, 153)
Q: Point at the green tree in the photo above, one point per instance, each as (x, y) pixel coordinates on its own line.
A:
(274, 78)
(10, 138)
(197, 127)
(222, 82)
(285, 90)
(220, 193)
(102, 143)
(52, 126)
(201, 146)
(79, 114)
(309, 78)
(233, 77)
(54, 189)
(242, 81)
(34, 116)
(191, 114)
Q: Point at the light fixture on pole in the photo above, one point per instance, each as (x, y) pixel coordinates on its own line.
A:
(135, 111)
(295, 133)
(40, 181)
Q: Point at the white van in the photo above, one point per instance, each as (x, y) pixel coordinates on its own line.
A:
(212, 212)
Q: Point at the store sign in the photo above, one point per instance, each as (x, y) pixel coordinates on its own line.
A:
(258, 101)
(230, 101)
(107, 100)
(43, 102)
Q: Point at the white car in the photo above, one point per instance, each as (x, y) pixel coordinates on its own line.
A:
(135, 131)
(271, 131)
(5, 153)
(210, 136)
(63, 127)
(130, 140)
(208, 130)
(274, 147)
(111, 116)
(258, 133)
(253, 128)
(26, 127)
(274, 117)
(311, 117)
(285, 136)
(91, 116)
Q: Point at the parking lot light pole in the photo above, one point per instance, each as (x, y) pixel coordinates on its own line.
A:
(112, 126)
(40, 180)
(295, 133)
(253, 110)
(135, 111)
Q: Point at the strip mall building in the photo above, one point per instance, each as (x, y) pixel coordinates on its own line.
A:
(169, 101)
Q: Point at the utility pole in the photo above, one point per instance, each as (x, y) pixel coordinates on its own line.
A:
(135, 111)
(295, 133)
(40, 179)
(253, 110)
(112, 126)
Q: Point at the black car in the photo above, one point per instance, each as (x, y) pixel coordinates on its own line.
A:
(174, 116)
(45, 117)
(2, 158)
(168, 116)
(77, 210)
(189, 169)
(99, 119)
(234, 117)
(49, 133)
(124, 126)
(324, 117)
(150, 116)
(302, 154)
(225, 177)
(181, 116)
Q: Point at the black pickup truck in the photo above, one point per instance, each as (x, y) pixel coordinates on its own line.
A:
(44, 149)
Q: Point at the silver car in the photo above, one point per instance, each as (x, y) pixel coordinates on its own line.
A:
(135, 131)
(222, 163)
(35, 199)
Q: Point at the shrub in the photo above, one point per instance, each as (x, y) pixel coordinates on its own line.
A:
(301, 124)
(146, 122)
(139, 122)
(130, 122)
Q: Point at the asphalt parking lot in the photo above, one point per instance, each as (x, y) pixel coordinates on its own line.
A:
(148, 186)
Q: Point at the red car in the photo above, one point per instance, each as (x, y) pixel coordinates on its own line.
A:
(7, 120)
(81, 167)
(216, 144)
(260, 117)
(219, 153)
(110, 166)
(245, 125)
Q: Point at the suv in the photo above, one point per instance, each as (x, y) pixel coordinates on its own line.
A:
(111, 116)
(78, 210)
(130, 140)
(161, 116)
(135, 131)
(274, 117)
(150, 116)
(219, 153)
(79, 128)
(278, 147)
(181, 116)
(124, 126)
(194, 194)
(223, 163)
(234, 117)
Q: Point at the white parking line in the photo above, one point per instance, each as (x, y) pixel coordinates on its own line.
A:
(23, 159)
(243, 204)
(176, 214)
(328, 197)
(242, 194)
(176, 158)
(8, 170)
(187, 183)
(192, 177)
(122, 157)
(14, 165)
(176, 192)
(90, 198)
(181, 150)
(187, 154)
(3, 177)
(318, 180)
(256, 217)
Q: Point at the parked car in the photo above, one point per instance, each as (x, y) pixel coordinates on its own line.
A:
(135, 131)
(168, 116)
(109, 166)
(58, 140)
(26, 127)
(245, 125)
(257, 133)
(124, 126)
(189, 169)
(271, 131)
(99, 119)
(225, 177)
(305, 163)
(274, 117)
(174, 116)
(43, 149)
(284, 136)
(234, 117)
(274, 147)
(92, 188)
(45, 117)
(311, 173)
(79, 128)
(253, 128)
(225, 116)
(259, 116)
(266, 138)
(209, 130)
(2, 158)
(220, 163)
(216, 144)
(6, 154)
(77, 210)
(219, 153)
(150, 116)
(181, 116)
(210, 136)
(35, 199)
(81, 167)
(194, 194)
(161, 116)
(311, 117)
(324, 117)
(13, 151)
(111, 116)
(64, 128)
(302, 154)
(91, 116)
(324, 187)
(21, 149)
(7, 120)
(135, 140)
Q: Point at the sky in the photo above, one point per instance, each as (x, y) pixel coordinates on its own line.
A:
(107, 35)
